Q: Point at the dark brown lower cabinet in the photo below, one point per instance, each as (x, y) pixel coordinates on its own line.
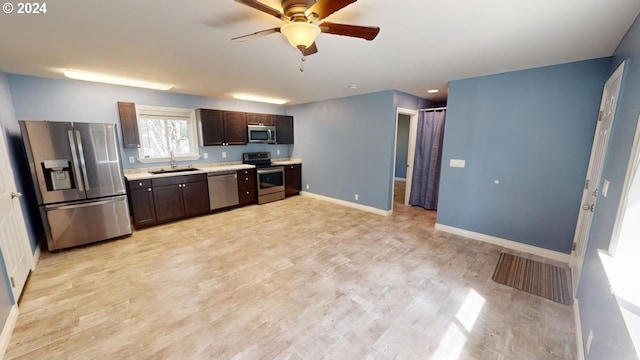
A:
(292, 179)
(168, 202)
(196, 198)
(141, 203)
(247, 187)
(178, 197)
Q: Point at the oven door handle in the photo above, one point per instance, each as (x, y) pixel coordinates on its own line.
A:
(270, 170)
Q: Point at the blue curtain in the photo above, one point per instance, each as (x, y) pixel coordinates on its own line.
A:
(428, 160)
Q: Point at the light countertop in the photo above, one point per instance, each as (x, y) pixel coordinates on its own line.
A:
(145, 173)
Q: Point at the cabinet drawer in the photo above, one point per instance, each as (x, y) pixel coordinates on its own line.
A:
(247, 196)
(139, 184)
(174, 180)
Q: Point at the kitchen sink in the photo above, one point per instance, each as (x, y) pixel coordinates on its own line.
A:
(170, 171)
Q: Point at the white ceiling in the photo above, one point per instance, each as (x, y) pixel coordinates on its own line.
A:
(422, 44)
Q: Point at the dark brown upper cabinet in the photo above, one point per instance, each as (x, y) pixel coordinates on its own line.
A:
(284, 129)
(259, 119)
(129, 125)
(211, 123)
(235, 127)
(218, 127)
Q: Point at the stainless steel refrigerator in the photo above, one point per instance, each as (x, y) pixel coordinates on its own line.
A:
(78, 179)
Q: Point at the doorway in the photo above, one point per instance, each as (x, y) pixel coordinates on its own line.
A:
(404, 152)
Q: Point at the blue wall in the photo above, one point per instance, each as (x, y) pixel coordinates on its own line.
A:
(347, 145)
(402, 146)
(532, 131)
(37, 98)
(598, 308)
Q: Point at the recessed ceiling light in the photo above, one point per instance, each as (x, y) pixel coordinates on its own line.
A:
(433, 91)
(108, 79)
(263, 99)
(352, 86)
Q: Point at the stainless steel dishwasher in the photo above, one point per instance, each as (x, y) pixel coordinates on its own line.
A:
(223, 189)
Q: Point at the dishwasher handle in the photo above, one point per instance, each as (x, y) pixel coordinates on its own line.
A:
(223, 173)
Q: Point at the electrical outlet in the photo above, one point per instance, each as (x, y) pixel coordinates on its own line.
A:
(589, 342)
(307, 186)
(356, 196)
(278, 152)
(205, 155)
(131, 160)
(605, 188)
(224, 154)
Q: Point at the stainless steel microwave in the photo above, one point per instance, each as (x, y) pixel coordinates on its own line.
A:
(262, 134)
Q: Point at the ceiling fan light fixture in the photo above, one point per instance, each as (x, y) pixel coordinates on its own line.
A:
(300, 34)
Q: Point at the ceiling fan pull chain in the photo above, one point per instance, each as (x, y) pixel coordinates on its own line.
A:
(302, 60)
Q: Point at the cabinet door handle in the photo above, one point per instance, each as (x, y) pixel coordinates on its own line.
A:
(140, 184)
(184, 185)
(247, 193)
(149, 190)
(246, 179)
(179, 185)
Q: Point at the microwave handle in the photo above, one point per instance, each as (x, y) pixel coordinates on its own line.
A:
(272, 135)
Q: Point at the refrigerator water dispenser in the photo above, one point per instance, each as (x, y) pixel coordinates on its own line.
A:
(57, 174)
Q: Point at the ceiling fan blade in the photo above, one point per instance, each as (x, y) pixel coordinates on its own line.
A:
(324, 8)
(262, 7)
(310, 50)
(363, 32)
(256, 35)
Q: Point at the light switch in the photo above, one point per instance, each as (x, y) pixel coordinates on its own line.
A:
(205, 155)
(605, 188)
(456, 163)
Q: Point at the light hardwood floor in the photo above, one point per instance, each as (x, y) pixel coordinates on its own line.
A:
(294, 279)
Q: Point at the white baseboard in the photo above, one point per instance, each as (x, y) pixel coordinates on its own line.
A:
(400, 179)
(36, 257)
(514, 245)
(7, 330)
(576, 320)
(348, 204)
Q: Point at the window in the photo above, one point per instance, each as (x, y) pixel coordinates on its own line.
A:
(165, 130)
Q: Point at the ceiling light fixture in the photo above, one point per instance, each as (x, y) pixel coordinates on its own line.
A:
(108, 79)
(300, 34)
(433, 91)
(263, 99)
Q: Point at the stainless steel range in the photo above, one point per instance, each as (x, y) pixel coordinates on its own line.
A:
(270, 178)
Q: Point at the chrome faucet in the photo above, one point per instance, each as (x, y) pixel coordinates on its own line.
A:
(172, 161)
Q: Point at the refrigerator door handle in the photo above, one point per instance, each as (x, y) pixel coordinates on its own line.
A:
(81, 205)
(76, 168)
(83, 163)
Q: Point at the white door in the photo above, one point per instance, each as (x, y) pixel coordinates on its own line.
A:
(594, 173)
(14, 240)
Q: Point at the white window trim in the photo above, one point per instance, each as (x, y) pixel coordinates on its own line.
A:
(142, 110)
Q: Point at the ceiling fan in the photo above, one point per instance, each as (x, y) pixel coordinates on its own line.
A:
(302, 23)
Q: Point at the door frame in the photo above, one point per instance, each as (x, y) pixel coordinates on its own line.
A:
(632, 170)
(580, 240)
(413, 129)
